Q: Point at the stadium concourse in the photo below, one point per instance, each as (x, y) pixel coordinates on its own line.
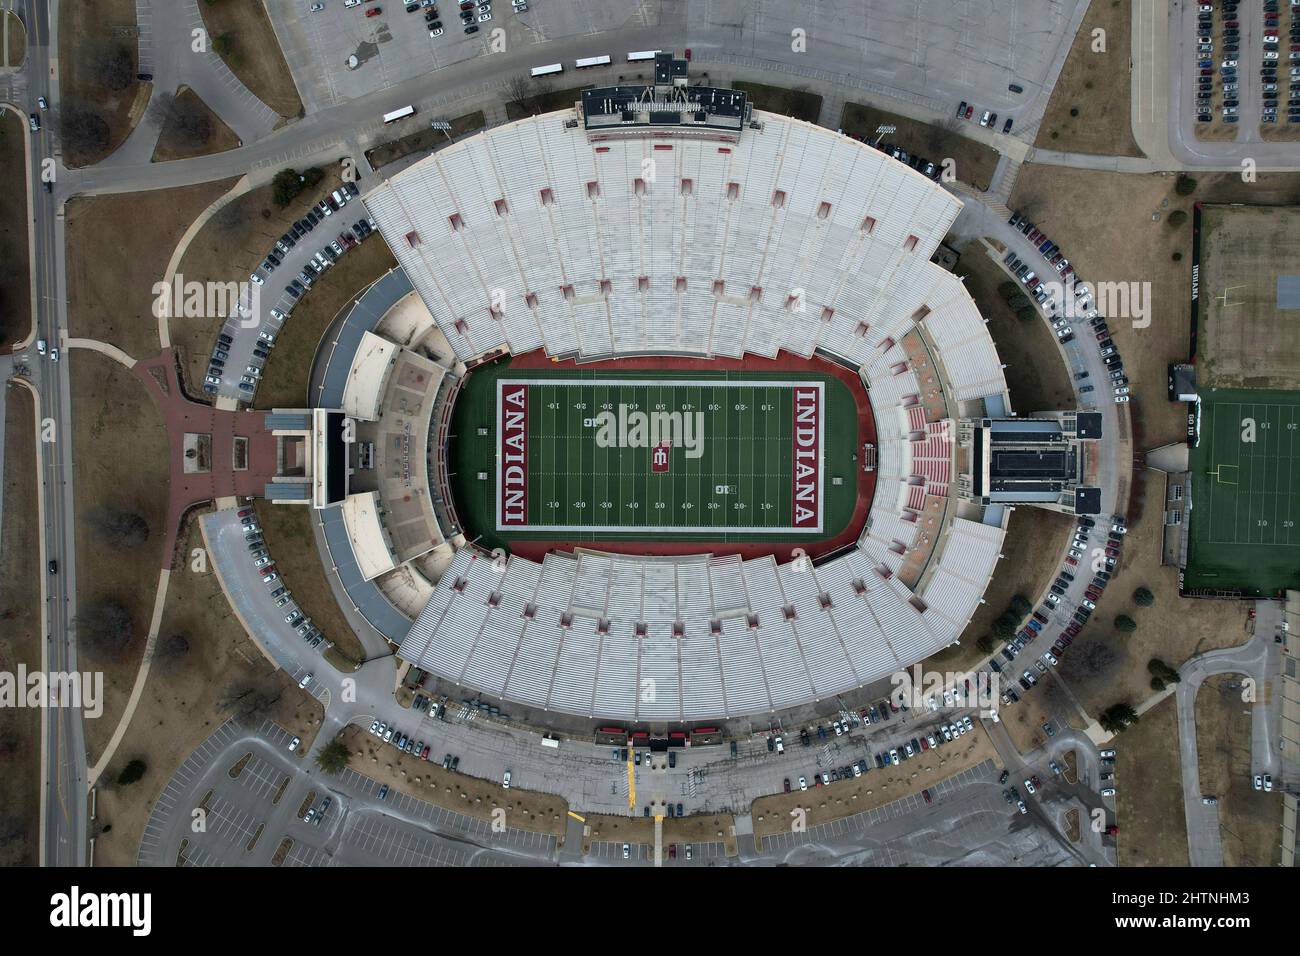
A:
(778, 238)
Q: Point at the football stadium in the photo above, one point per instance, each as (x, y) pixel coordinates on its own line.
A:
(696, 412)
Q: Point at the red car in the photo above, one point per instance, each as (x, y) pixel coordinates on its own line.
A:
(787, 784)
(672, 851)
(246, 512)
(1073, 562)
(374, 11)
(970, 111)
(926, 794)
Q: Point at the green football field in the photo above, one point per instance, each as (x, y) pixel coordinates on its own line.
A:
(690, 455)
(1246, 492)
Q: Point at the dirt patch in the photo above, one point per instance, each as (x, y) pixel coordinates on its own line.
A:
(699, 828)
(16, 35)
(289, 539)
(111, 280)
(796, 102)
(424, 140)
(1048, 703)
(1036, 371)
(875, 788)
(15, 269)
(228, 248)
(191, 130)
(242, 35)
(120, 456)
(192, 689)
(284, 383)
(101, 98)
(544, 101)
(1103, 665)
(472, 796)
(1246, 340)
(1089, 111)
(1149, 791)
(1250, 820)
(974, 162)
(20, 635)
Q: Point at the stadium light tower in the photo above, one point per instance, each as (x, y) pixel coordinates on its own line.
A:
(882, 131)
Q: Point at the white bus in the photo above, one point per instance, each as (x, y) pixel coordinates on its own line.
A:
(396, 115)
(550, 70)
(589, 61)
(642, 55)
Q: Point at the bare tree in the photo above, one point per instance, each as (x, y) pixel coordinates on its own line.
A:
(83, 131)
(119, 528)
(518, 89)
(182, 116)
(105, 628)
(249, 698)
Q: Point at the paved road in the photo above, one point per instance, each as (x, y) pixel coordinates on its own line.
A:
(1260, 659)
(63, 794)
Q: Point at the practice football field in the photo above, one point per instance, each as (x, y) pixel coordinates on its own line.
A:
(647, 455)
(1246, 492)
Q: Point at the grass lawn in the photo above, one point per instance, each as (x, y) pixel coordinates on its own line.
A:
(800, 104)
(284, 383)
(423, 140)
(1149, 791)
(175, 144)
(112, 413)
(243, 37)
(20, 635)
(547, 101)
(111, 279)
(15, 271)
(973, 162)
(1250, 819)
(1089, 108)
(16, 36)
(289, 539)
(188, 695)
(91, 32)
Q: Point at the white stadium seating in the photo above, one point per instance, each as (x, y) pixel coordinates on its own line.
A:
(794, 238)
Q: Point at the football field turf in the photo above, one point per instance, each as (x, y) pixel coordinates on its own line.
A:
(707, 456)
(1246, 492)
(651, 455)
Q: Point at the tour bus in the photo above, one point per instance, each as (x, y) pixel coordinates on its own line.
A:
(587, 62)
(550, 70)
(401, 114)
(642, 55)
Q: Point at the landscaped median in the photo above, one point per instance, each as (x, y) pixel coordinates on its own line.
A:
(640, 830)
(472, 796)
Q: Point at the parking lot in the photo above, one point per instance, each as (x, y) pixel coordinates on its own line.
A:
(303, 254)
(255, 601)
(394, 46)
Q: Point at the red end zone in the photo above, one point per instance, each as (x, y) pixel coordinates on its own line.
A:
(807, 490)
(513, 456)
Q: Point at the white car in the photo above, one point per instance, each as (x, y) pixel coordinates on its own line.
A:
(803, 783)
(1020, 805)
(1029, 785)
(436, 32)
(1049, 657)
(984, 119)
(1088, 604)
(54, 355)
(484, 17)
(967, 722)
(1268, 783)
(627, 851)
(505, 781)
(1270, 54)
(255, 279)
(40, 346)
(306, 679)
(1108, 791)
(293, 744)
(375, 727)
(947, 734)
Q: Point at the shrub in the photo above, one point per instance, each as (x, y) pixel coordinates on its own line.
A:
(1143, 597)
(1125, 624)
(1185, 185)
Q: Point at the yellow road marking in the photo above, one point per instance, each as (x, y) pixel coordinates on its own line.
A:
(579, 818)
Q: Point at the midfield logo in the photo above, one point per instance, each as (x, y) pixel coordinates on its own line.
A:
(660, 457)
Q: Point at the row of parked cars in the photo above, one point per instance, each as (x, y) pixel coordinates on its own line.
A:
(280, 595)
(1273, 57)
(945, 733)
(988, 119)
(1071, 285)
